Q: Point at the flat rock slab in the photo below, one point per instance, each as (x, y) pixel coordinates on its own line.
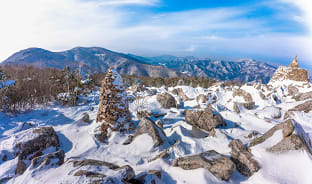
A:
(219, 165)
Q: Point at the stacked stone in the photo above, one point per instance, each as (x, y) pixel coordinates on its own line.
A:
(113, 107)
(293, 72)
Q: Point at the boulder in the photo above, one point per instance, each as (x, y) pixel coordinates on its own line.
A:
(147, 126)
(305, 107)
(166, 100)
(114, 173)
(205, 119)
(292, 90)
(201, 98)
(43, 138)
(51, 160)
(287, 127)
(217, 164)
(244, 161)
(248, 101)
(247, 105)
(292, 142)
(303, 96)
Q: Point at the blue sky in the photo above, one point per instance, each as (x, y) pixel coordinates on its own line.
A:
(267, 30)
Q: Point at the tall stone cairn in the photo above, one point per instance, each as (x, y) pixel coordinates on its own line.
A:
(113, 110)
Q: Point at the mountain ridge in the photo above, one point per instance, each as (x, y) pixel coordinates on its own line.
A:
(97, 59)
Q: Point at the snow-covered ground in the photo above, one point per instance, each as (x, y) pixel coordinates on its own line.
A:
(78, 141)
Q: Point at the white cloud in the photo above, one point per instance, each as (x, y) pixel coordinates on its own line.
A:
(128, 2)
(60, 25)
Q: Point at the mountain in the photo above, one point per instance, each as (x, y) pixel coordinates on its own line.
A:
(244, 70)
(92, 59)
(96, 59)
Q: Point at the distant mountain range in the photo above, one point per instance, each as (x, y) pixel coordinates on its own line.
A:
(96, 59)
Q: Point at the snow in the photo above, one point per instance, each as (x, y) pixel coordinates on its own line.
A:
(77, 139)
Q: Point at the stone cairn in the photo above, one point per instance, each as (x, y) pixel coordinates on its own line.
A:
(293, 72)
(113, 110)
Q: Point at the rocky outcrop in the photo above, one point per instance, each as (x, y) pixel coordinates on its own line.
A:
(113, 110)
(293, 72)
(219, 165)
(166, 100)
(305, 107)
(147, 126)
(206, 119)
(44, 137)
(244, 161)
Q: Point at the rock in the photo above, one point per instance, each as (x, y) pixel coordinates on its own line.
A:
(51, 159)
(236, 108)
(219, 165)
(164, 153)
(114, 173)
(303, 96)
(138, 88)
(293, 72)
(305, 107)
(206, 119)
(44, 138)
(288, 115)
(201, 98)
(244, 161)
(92, 162)
(182, 95)
(124, 174)
(89, 174)
(287, 127)
(262, 96)
(166, 100)
(113, 110)
(242, 93)
(147, 126)
(85, 117)
(292, 142)
(249, 103)
(292, 90)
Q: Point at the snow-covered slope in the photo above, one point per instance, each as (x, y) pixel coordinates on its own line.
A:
(77, 139)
